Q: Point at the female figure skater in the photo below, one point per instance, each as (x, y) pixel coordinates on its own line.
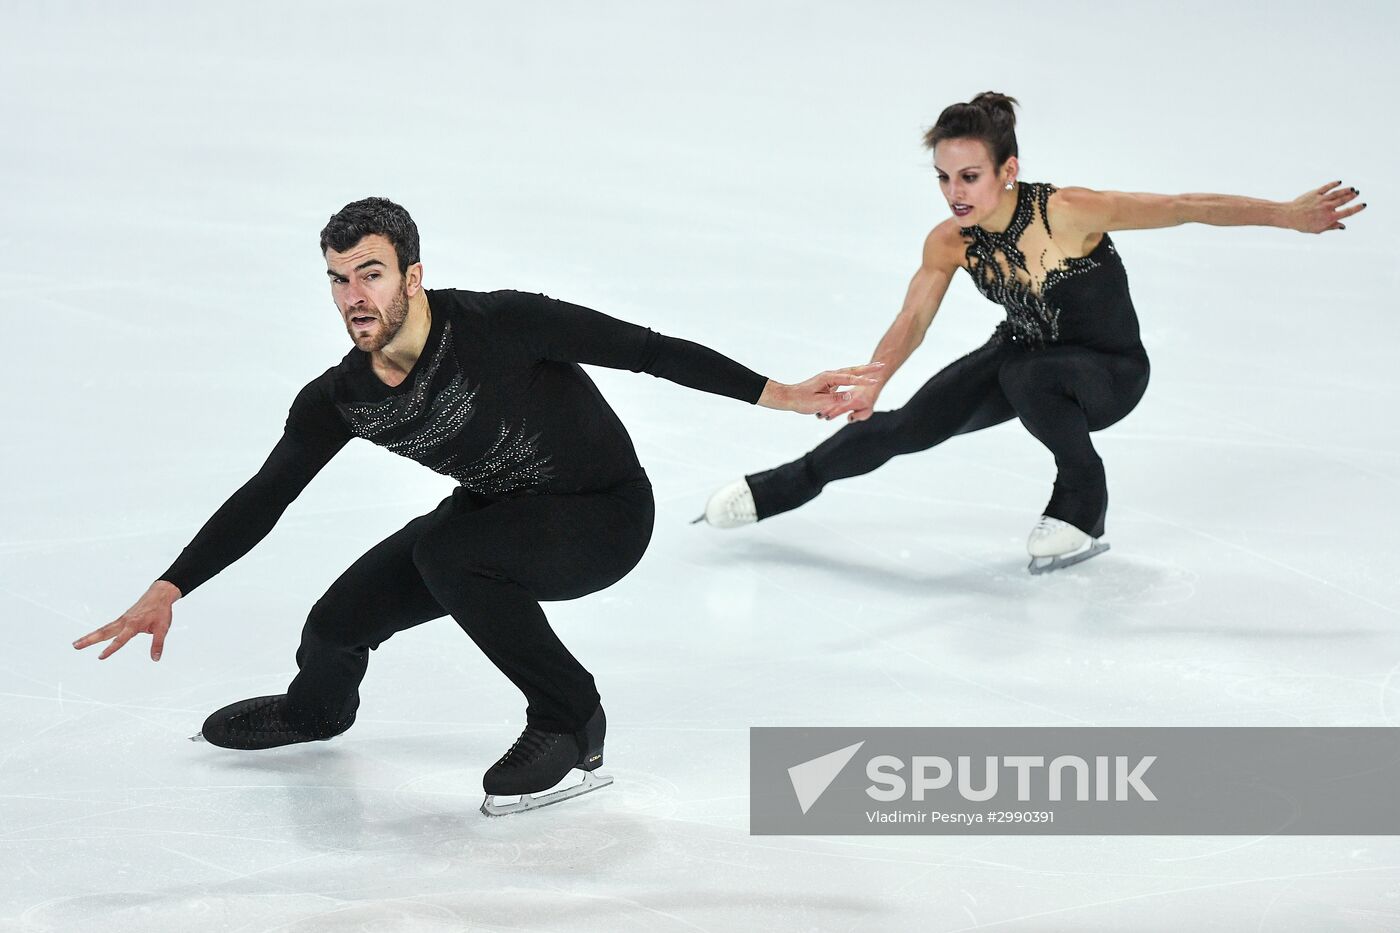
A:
(1068, 359)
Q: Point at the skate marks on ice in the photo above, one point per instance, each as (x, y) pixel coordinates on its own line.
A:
(932, 565)
(552, 875)
(615, 871)
(1259, 691)
(920, 569)
(1289, 902)
(566, 869)
(856, 568)
(506, 904)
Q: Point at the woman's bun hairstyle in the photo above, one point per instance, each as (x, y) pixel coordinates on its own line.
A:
(990, 117)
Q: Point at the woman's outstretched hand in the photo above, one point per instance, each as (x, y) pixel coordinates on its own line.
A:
(1322, 209)
(818, 394)
(858, 404)
(150, 615)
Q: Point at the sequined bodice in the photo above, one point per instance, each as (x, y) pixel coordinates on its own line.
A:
(1019, 267)
(431, 424)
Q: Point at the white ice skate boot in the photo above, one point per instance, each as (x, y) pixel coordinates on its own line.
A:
(730, 507)
(1054, 544)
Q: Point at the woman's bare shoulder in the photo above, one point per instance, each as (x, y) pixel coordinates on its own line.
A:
(945, 246)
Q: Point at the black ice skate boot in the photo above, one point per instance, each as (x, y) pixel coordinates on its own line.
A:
(538, 760)
(260, 722)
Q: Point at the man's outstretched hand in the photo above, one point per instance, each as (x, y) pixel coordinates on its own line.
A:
(818, 393)
(151, 615)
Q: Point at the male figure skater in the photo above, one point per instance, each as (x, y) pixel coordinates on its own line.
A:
(552, 503)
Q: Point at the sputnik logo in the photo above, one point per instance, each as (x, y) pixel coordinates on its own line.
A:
(811, 778)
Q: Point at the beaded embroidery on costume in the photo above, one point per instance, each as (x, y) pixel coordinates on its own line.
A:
(421, 425)
(998, 264)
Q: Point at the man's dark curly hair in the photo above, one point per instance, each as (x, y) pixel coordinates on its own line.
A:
(359, 219)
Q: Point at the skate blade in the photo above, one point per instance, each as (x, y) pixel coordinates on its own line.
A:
(591, 782)
(198, 737)
(696, 521)
(1039, 565)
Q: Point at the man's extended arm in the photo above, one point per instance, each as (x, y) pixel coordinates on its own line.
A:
(251, 512)
(572, 333)
(312, 437)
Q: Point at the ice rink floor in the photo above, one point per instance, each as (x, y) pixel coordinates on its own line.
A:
(748, 176)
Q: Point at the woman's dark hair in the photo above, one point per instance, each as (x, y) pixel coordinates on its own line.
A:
(359, 219)
(989, 116)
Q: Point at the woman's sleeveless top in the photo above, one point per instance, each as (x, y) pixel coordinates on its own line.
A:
(1052, 298)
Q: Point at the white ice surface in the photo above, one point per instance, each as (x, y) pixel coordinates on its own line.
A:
(749, 176)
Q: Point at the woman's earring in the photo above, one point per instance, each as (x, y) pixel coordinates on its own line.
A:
(1009, 184)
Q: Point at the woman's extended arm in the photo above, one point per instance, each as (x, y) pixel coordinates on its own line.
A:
(942, 248)
(1090, 212)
